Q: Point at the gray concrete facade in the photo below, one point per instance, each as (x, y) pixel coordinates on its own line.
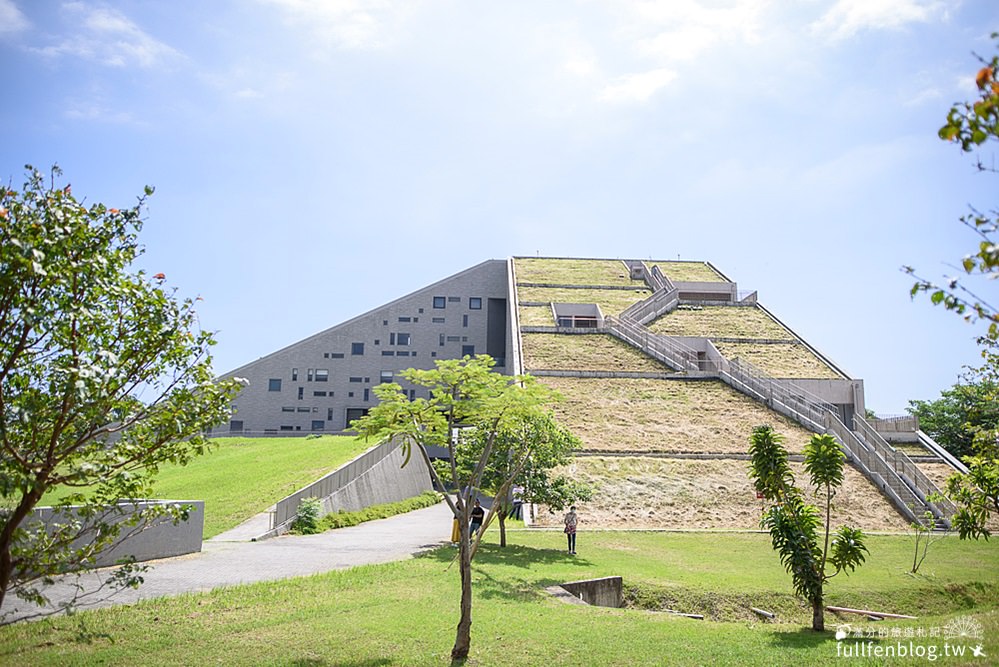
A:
(325, 381)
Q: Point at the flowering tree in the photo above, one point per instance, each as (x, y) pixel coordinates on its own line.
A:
(104, 376)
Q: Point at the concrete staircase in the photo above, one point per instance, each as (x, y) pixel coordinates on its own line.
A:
(891, 470)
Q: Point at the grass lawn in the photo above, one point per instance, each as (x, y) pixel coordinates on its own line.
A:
(589, 352)
(269, 469)
(665, 415)
(611, 301)
(721, 322)
(573, 272)
(404, 613)
(688, 271)
(780, 360)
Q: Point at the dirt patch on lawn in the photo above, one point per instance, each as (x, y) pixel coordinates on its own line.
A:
(654, 493)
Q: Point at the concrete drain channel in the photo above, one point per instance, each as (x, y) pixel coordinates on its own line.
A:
(602, 592)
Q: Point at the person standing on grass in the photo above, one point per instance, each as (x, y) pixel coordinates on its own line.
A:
(570, 528)
(478, 516)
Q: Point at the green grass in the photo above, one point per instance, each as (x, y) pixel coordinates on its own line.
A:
(404, 613)
(599, 352)
(688, 271)
(781, 360)
(241, 477)
(611, 301)
(721, 322)
(573, 272)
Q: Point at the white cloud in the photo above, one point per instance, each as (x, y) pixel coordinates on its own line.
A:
(848, 17)
(107, 36)
(637, 87)
(346, 24)
(11, 18)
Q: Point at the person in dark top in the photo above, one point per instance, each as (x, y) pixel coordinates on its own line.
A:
(478, 516)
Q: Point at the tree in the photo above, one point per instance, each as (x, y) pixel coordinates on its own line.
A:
(970, 125)
(973, 125)
(960, 413)
(104, 376)
(523, 455)
(794, 524)
(469, 408)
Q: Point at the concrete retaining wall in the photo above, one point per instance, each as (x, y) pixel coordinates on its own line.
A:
(161, 538)
(604, 592)
(373, 478)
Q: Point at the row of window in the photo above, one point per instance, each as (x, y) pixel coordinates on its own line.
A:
(474, 302)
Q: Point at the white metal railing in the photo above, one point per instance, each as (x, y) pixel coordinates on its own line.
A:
(659, 279)
(875, 469)
(905, 467)
(904, 484)
(663, 348)
(646, 310)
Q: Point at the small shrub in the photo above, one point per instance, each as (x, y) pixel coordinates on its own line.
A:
(347, 519)
(307, 517)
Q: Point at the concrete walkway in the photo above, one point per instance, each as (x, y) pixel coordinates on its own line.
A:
(229, 563)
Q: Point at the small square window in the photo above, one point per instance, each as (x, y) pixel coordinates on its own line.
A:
(274, 384)
(440, 302)
(322, 375)
(357, 349)
(475, 303)
(402, 339)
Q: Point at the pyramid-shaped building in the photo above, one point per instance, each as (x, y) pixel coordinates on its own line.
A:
(665, 368)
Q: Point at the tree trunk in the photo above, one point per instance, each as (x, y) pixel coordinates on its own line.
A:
(463, 637)
(502, 521)
(23, 509)
(818, 617)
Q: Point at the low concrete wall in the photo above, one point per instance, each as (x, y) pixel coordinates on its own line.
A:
(384, 482)
(373, 478)
(604, 592)
(161, 538)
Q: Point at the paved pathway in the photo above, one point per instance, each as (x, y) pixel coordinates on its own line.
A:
(228, 563)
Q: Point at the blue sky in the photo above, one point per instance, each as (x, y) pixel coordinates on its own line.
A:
(313, 160)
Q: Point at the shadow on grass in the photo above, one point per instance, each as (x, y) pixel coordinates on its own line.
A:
(316, 662)
(513, 555)
(802, 638)
(518, 589)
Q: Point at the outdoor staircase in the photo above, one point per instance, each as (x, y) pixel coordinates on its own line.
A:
(891, 470)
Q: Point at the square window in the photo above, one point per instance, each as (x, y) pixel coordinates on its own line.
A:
(318, 425)
(274, 384)
(357, 349)
(385, 376)
(236, 426)
(402, 339)
(468, 350)
(440, 302)
(475, 303)
(322, 375)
